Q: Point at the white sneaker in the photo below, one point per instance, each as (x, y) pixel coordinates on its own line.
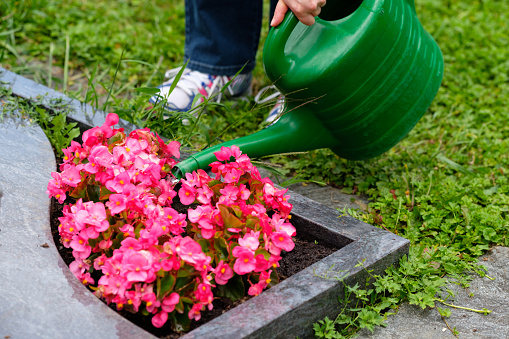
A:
(277, 110)
(193, 82)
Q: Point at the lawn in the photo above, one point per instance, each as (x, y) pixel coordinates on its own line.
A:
(444, 187)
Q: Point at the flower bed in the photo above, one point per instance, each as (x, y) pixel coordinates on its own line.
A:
(287, 309)
(146, 256)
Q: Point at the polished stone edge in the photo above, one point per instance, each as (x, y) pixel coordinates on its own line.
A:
(40, 297)
(290, 308)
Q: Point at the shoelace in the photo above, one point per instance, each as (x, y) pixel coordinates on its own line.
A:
(271, 97)
(191, 81)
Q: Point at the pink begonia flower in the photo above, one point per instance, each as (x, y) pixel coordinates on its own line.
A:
(139, 265)
(204, 294)
(128, 230)
(111, 119)
(187, 194)
(167, 192)
(168, 304)
(203, 263)
(99, 261)
(282, 240)
(205, 217)
(195, 312)
(261, 263)
(234, 230)
(116, 203)
(200, 213)
(86, 279)
(160, 319)
(117, 285)
(229, 194)
(256, 289)
(233, 176)
(245, 163)
(134, 299)
(169, 263)
(134, 147)
(105, 244)
(131, 243)
(69, 152)
(102, 155)
(204, 195)
(250, 240)
(151, 302)
(192, 179)
(244, 192)
(245, 262)
(120, 156)
(223, 273)
(90, 137)
(71, 176)
(172, 148)
(281, 226)
(78, 267)
(118, 183)
(79, 243)
(189, 250)
(224, 154)
(54, 190)
(235, 151)
(82, 252)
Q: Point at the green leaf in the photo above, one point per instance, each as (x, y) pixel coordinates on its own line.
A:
(167, 284)
(234, 289)
(262, 251)
(148, 90)
(180, 322)
(454, 165)
(204, 243)
(221, 248)
(230, 220)
(490, 234)
(444, 312)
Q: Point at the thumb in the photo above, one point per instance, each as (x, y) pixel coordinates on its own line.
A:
(279, 13)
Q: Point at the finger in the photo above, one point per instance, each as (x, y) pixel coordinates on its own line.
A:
(307, 19)
(279, 13)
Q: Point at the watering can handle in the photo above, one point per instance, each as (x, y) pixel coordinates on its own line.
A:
(276, 41)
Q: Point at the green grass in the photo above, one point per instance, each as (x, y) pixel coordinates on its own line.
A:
(444, 187)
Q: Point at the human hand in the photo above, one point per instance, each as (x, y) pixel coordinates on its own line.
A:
(304, 10)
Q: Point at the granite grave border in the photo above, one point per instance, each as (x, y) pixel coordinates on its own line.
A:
(286, 310)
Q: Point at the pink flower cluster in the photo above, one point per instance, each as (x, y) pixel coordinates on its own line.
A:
(128, 241)
(234, 206)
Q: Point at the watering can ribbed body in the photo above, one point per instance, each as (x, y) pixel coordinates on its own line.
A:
(357, 81)
(370, 75)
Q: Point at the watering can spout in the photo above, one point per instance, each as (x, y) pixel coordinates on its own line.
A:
(296, 132)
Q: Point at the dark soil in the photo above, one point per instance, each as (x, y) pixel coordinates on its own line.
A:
(305, 253)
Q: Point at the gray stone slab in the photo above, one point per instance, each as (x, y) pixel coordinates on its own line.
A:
(413, 322)
(330, 196)
(39, 296)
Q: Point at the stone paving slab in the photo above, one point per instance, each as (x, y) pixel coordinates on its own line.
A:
(39, 296)
(413, 322)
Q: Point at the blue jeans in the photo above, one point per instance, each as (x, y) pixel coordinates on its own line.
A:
(222, 36)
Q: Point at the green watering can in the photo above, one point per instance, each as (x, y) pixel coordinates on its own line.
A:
(357, 81)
